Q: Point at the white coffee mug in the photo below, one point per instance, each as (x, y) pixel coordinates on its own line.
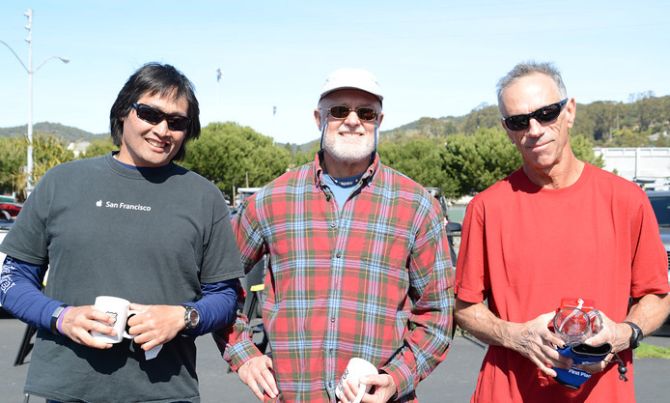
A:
(117, 308)
(356, 369)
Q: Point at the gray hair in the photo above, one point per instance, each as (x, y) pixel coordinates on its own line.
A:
(527, 68)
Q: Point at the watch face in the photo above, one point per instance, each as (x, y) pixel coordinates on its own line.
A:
(192, 317)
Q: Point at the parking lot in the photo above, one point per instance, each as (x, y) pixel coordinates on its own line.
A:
(452, 381)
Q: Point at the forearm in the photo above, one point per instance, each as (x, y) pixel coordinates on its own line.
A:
(235, 343)
(649, 312)
(216, 307)
(478, 320)
(21, 295)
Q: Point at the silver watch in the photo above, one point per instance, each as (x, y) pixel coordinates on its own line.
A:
(191, 317)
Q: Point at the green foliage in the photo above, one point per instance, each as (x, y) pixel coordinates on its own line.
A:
(12, 161)
(419, 158)
(48, 151)
(582, 147)
(302, 157)
(484, 116)
(479, 160)
(599, 121)
(99, 146)
(646, 350)
(629, 138)
(231, 155)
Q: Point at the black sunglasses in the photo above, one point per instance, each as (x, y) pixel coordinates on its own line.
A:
(154, 116)
(545, 114)
(342, 112)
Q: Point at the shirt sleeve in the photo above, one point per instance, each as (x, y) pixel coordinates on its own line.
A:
(235, 343)
(430, 323)
(21, 295)
(221, 257)
(650, 260)
(217, 306)
(471, 280)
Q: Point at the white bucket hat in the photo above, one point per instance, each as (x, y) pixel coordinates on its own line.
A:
(359, 79)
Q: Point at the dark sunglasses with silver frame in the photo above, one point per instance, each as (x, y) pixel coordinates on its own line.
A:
(545, 114)
(154, 116)
(364, 113)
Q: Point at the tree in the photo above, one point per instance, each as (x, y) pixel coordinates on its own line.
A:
(231, 155)
(478, 161)
(12, 162)
(48, 151)
(99, 146)
(482, 117)
(418, 158)
(582, 147)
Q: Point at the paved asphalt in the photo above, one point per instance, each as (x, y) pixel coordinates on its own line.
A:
(452, 381)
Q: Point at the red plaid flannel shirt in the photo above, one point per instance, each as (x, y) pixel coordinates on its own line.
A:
(373, 280)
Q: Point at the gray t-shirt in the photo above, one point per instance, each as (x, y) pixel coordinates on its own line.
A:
(150, 236)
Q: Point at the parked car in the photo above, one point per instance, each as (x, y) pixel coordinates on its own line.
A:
(660, 202)
(9, 210)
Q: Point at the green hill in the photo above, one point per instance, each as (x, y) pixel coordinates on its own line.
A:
(67, 133)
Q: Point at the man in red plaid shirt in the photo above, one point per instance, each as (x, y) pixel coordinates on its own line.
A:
(358, 264)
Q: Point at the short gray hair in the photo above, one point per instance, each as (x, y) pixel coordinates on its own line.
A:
(527, 68)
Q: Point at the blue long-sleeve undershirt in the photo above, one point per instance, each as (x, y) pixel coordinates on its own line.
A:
(21, 295)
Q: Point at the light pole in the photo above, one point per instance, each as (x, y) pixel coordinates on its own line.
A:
(29, 69)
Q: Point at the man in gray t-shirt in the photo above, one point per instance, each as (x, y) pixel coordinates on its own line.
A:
(133, 225)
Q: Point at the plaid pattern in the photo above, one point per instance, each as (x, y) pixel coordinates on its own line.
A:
(372, 281)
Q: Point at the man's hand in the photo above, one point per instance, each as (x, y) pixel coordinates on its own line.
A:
(154, 325)
(616, 334)
(79, 321)
(536, 342)
(382, 386)
(257, 374)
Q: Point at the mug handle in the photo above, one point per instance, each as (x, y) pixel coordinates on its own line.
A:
(125, 331)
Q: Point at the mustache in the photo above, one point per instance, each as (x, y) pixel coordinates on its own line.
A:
(344, 129)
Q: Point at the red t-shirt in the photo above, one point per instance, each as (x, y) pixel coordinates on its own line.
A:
(525, 248)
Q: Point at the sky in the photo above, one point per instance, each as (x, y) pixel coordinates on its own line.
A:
(432, 58)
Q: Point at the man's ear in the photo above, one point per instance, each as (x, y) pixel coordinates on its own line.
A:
(571, 112)
(317, 118)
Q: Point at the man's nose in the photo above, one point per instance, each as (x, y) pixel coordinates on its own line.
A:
(161, 128)
(535, 128)
(352, 119)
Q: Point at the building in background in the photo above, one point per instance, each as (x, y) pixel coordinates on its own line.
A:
(647, 166)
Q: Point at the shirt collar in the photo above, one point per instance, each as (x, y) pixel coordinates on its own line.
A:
(366, 178)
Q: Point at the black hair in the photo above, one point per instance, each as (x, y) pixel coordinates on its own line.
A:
(155, 78)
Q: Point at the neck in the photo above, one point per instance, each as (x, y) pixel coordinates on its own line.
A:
(558, 176)
(343, 169)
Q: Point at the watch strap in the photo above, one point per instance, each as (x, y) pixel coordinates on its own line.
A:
(53, 325)
(636, 336)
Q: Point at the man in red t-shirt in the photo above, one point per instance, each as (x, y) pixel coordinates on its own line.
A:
(556, 228)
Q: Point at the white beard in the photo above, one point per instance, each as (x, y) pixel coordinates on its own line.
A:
(349, 148)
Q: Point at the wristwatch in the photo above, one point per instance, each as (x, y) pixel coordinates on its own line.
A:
(191, 317)
(636, 336)
(54, 318)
